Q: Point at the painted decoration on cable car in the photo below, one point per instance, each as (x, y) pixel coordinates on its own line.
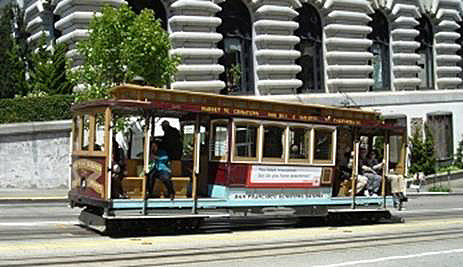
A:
(88, 177)
(284, 176)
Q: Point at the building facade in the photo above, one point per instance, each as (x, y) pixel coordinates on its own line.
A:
(400, 57)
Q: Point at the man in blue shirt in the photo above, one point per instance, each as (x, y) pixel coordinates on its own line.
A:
(159, 168)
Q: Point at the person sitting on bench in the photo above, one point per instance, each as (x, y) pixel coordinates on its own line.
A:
(159, 168)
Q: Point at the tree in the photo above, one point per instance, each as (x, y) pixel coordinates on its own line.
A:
(459, 155)
(120, 46)
(48, 70)
(423, 158)
(14, 52)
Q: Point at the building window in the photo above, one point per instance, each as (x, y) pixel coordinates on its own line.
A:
(310, 47)
(425, 51)
(237, 48)
(441, 127)
(158, 8)
(380, 50)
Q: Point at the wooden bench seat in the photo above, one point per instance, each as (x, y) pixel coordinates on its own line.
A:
(180, 186)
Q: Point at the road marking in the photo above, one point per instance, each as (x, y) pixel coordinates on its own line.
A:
(37, 223)
(390, 258)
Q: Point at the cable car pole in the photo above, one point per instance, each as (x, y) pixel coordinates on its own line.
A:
(196, 159)
(146, 157)
(385, 166)
(355, 165)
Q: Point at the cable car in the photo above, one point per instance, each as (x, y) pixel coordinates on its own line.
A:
(239, 156)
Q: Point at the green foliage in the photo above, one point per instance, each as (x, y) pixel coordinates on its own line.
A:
(25, 109)
(423, 158)
(439, 188)
(123, 45)
(13, 52)
(379, 146)
(459, 156)
(449, 168)
(48, 70)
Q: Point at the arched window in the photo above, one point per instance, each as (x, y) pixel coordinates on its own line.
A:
(237, 48)
(380, 50)
(156, 6)
(310, 46)
(426, 61)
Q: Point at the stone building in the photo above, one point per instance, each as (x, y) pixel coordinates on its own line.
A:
(400, 57)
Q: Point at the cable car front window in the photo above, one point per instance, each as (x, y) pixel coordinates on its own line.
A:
(77, 133)
(99, 131)
(85, 132)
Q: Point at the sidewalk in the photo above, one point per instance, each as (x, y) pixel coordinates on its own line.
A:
(24, 195)
(455, 185)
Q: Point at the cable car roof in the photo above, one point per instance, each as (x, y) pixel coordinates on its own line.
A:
(177, 102)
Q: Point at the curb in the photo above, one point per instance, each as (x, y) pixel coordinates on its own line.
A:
(33, 199)
(432, 194)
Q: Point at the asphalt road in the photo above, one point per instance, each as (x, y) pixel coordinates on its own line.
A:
(47, 234)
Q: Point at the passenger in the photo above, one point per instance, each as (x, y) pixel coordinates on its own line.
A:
(172, 141)
(159, 168)
(118, 167)
(369, 166)
(397, 188)
(362, 181)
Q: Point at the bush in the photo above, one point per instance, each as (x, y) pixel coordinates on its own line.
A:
(459, 156)
(45, 108)
(423, 158)
(439, 188)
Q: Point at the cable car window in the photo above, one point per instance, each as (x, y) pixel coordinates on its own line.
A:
(219, 144)
(85, 132)
(273, 142)
(77, 133)
(323, 145)
(299, 143)
(188, 131)
(99, 132)
(245, 140)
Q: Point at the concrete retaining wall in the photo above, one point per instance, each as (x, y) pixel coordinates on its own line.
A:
(34, 155)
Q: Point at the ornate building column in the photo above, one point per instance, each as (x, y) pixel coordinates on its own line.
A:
(274, 44)
(447, 17)
(194, 38)
(75, 16)
(346, 44)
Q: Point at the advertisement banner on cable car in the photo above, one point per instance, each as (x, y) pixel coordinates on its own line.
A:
(284, 176)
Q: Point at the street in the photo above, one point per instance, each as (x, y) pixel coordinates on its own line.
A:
(48, 234)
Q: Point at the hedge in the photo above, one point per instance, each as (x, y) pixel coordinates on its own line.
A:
(43, 108)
